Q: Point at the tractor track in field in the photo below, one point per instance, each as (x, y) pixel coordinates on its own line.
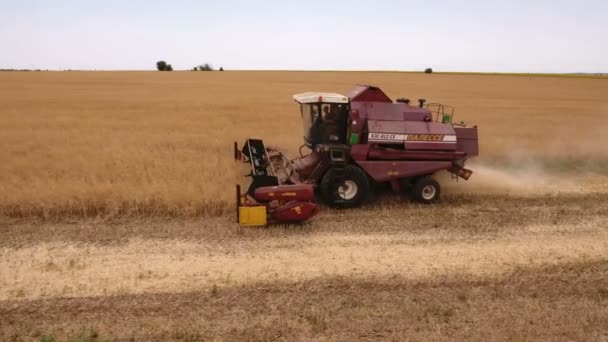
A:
(187, 279)
(149, 266)
(457, 216)
(560, 303)
(473, 235)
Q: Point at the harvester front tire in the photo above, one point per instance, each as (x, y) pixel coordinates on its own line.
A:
(426, 190)
(351, 194)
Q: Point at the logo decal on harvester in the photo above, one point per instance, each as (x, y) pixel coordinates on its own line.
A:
(424, 137)
(387, 137)
(400, 138)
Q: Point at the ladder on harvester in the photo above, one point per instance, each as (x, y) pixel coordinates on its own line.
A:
(338, 158)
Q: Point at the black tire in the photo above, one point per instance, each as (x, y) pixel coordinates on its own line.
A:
(426, 190)
(406, 185)
(331, 194)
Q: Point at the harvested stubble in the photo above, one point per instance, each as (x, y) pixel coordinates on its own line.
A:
(515, 269)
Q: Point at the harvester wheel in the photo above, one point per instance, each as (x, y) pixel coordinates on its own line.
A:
(351, 193)
(426, 190)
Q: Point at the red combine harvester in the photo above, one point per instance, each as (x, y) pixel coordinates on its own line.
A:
(354, 140)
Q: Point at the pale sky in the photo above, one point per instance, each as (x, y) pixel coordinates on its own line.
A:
(487, 36)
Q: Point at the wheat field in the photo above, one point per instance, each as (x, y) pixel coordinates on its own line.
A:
(144, 143)
(116, 222)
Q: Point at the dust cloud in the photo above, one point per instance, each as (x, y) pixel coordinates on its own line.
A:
(526, 177)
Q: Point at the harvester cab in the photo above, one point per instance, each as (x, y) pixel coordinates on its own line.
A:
(354, 141)
(324, 117)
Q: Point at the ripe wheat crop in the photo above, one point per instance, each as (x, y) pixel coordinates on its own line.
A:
(149, 143)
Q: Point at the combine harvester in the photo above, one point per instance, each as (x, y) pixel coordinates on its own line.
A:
(355, 140)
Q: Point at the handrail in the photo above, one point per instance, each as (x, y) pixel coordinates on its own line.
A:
(443, 113)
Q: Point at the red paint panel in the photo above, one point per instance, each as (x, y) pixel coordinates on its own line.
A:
(431, 146)
(357, 123)
(359, 151)
(366, 93)
(397, 112)
(467, 140)
(380, 153)
(417, 127)
(299, 192)
(410, 127)
(390, 111)
(294, 212)
(411, 113)
(382, 171)
(304, 166)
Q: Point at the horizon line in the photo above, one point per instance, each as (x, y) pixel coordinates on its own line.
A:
(481, 73)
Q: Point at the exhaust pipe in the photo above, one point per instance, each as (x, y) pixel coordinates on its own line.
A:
(459, 171)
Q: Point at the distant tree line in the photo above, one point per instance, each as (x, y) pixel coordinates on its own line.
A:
(21, 70)
(164, 66)
(206, 67)
(203, 67)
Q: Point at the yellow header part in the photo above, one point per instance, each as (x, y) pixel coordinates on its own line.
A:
(252, 216)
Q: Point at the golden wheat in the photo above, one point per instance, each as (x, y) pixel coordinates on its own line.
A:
(148, 143)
